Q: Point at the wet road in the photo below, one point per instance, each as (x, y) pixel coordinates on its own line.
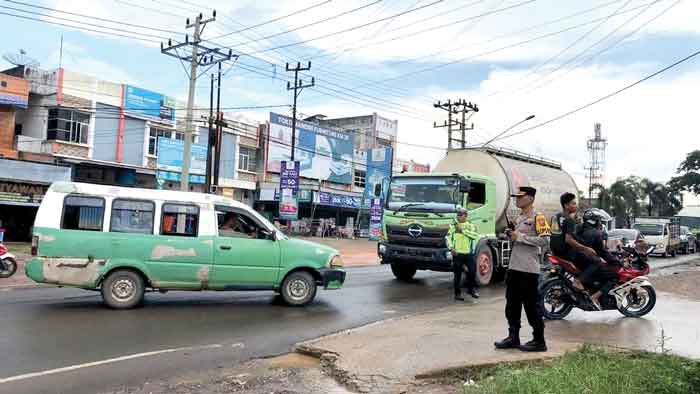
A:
(65, 340)
(46, 329)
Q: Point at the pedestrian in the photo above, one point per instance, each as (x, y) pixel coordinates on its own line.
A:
(529, 235)
(461, 238)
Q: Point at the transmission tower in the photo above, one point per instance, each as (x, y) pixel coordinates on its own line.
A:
(596, 159)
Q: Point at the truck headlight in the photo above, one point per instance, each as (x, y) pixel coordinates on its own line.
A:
(662, 245)
(382, 249)
(336, 262)
(448, 255)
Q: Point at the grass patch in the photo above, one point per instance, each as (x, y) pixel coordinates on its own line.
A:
(592, 370)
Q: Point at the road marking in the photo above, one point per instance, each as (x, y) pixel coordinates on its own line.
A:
(103, 362)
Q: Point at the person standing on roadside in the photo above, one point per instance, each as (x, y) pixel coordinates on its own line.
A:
(529, 234)
(461, 238)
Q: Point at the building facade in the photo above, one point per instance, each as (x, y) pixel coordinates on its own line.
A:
(111, 133)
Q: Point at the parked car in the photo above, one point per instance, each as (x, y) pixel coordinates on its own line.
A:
(688, 241)
(123, 241)
(623, 237)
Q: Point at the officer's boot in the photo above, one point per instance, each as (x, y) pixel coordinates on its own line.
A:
(512, 341)
(537, 344)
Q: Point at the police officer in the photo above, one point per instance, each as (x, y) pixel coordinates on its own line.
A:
(529, 234)
(590, 233)
(461, 238)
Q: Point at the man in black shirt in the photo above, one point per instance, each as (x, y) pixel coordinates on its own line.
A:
(565, 245)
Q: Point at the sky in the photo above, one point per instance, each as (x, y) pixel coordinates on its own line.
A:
(513, 58)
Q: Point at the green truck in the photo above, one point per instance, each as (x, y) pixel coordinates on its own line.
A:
(419, 208)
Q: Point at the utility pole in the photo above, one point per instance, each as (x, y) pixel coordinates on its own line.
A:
(455, 108)
(210, 145)
(297, 88)
(219, 129)
(201, 55)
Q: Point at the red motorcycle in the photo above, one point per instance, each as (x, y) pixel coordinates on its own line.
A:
(633, 295)
(8, 262)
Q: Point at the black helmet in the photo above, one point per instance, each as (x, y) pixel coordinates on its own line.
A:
(596, 216)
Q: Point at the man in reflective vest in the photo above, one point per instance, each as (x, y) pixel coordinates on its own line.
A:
(461, 239)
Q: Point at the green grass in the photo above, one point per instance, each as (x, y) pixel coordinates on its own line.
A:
(592, 370)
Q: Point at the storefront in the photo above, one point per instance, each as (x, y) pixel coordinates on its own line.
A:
(23, 185)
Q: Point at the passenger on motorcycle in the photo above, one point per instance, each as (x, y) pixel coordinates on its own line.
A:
(564, 244)
(590, 233)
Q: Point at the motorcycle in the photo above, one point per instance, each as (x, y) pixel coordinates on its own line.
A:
(8, 262)
(633, 295)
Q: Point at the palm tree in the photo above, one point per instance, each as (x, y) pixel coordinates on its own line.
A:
(625, 198)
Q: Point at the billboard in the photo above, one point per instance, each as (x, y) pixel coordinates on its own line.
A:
(323, 153)
(142, 102)
(378, 171)
(169, 162)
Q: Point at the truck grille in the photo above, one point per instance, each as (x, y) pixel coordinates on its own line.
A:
(427, 236)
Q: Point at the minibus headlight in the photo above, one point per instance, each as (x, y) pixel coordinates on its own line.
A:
(336, 262)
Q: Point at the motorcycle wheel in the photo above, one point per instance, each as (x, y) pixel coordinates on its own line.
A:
(638, 305)
(8, 267)
(551, 294)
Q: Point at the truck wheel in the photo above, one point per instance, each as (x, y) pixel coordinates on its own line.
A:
(673, 253)
(403, 272)
(298, 288)
(123, 289)
(484, 265)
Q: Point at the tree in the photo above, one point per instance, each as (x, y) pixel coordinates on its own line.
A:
(661, 200)
(603, 196)
(689, 180)
(625, 197)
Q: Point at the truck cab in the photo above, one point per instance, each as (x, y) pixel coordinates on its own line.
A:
(418, 212)
(663, 233)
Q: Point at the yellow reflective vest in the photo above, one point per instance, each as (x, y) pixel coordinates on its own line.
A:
(461, 236)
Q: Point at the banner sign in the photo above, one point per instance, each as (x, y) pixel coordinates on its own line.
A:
(22, 193)
(170, 156)
(337, 200)
(378, 171)
(323, 153)
(289, 207)
(375, 219)
(289, 176)
(149, 104)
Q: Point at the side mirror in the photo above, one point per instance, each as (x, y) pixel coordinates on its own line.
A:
(272, 236)
(377, 189)
(464, 185)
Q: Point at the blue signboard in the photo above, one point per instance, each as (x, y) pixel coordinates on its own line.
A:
(149, 104)
(375, 219)
(289, 176)
(337, 200)
(170, 156)
(323, 153)
(378, 171)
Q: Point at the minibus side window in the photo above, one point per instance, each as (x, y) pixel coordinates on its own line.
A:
(132, 216)
(180, 220)
(83, 213)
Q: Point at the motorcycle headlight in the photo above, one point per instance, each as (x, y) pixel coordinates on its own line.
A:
(336, 262)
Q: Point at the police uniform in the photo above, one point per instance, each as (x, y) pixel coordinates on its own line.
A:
(523, 278)
(461, 238)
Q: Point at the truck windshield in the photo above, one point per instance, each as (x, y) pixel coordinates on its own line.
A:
(650, 229)
(431, 193)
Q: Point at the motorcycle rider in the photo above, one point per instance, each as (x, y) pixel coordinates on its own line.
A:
(590, 233)
(460, 241)
(564, 244)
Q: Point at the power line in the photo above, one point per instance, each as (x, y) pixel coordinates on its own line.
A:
(348, 29)
(94, 17)
(581, 108)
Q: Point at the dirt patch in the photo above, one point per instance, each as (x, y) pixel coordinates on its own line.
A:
(684, 283)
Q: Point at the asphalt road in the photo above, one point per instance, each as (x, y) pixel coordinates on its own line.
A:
(57, 340)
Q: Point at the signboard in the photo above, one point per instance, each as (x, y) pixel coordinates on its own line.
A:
(169, 162)
(323, 153)
(21, 193)
(148, 104)
(289, 207)
(337, 200)
(378, 171)
(375, 219)
(289, 176)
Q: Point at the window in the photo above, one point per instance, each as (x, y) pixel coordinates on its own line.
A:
(234, 223)
(181, 220)
(477, 195)
(246, 159)
(83, 213)
(360, 178)
(129, 216)
(155, 133)
(68, 125)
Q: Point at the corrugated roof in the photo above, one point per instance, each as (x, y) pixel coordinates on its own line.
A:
(692, 211)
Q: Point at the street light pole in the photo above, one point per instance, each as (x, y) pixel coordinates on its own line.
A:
(507, 130)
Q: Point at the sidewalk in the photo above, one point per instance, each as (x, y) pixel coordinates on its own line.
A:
(394, 355)
(17, 281)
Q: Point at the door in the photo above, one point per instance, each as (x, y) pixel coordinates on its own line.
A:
(246, 256)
